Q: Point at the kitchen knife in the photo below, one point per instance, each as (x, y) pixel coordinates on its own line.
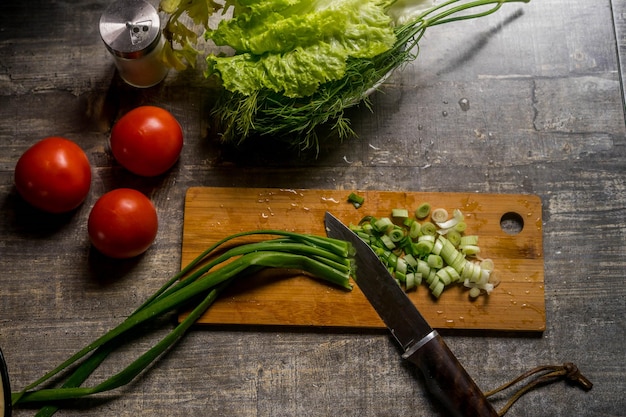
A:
(445, 376)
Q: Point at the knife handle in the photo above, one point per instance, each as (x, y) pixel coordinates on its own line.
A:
(447, 379)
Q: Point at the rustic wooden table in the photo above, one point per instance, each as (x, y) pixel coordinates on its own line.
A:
(545, 88)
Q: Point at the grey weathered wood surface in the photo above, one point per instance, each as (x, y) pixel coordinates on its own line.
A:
(546, 116)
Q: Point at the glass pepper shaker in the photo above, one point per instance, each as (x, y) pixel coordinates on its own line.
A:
(131, 31)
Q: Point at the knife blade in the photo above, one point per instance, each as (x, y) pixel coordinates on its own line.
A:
(445, 377)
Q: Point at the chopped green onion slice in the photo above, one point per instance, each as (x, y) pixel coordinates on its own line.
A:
(434, 280)
(454, 236)
(470, 249)
(428, 229)
(356, 200)
(422, 211)
(401, 265)
(474, 292)
(460, 227)
(388, 242)
(399, 213)
(435, 261)
(471, 272)
(414, 230)
(438, 289)
(396, 234)
(410, 281)
(410, 260)
(423, 268)
(457, 217)
(487, 264)
(383, 224)
(439, 215)
(427, 238)
(468, 240)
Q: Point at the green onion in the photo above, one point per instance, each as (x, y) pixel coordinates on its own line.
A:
(468, 240)
(383, 224)
(474, 292)
(422, 211)
(388, 242)
(428, 228)
(205, 277)
(356, 200)
(396, 234)
(470, 249)
(425, 244)
(399, 213)
(424, 251)
(410, 281)
(445, 224)
(439, 215)
(471, 272)
(454, 236)
(411, 261)
(487, 264)
(435, 261)
(460, 227)
(414, 230)
(437, 289)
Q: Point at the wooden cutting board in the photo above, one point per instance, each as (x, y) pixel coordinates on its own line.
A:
(516, 304)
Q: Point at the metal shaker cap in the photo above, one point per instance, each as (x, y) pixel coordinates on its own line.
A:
(130, 28)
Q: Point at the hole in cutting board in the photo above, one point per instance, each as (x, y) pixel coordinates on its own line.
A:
(511, 223)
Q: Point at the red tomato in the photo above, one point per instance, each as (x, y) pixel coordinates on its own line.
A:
(123, 223)
(147, 141)
(53, 175)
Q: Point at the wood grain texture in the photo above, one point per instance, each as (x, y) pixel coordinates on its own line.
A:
(544, 82)
(517, 303)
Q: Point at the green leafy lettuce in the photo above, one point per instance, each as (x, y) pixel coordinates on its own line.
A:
(294, 46)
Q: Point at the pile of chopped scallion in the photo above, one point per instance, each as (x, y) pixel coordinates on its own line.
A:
(428, 247)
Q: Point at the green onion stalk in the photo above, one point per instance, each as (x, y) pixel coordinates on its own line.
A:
(195, 287)
(299, 120)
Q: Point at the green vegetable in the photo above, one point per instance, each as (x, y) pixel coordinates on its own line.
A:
(422, 211)
(292, 47)
(434, 261)
(416, 251)
(399, 213)
(299, 64)
(203, 279)
(428, 229)
(383, 224)
(356, 200)
(439, 215)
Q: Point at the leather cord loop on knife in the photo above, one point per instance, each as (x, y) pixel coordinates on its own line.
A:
(552, 373)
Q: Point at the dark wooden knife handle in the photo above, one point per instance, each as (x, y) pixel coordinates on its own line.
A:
(447, 379)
